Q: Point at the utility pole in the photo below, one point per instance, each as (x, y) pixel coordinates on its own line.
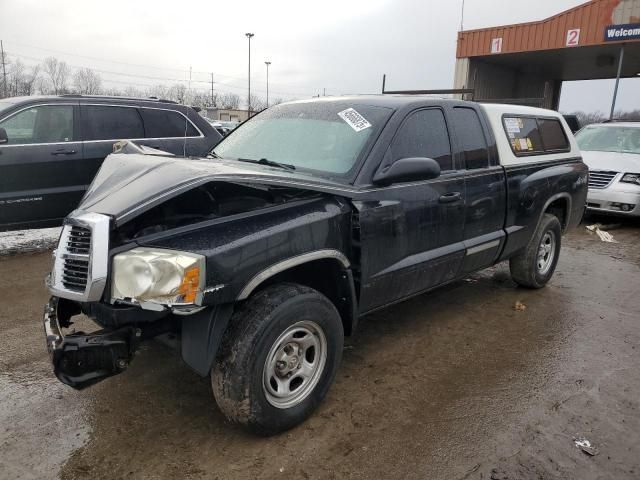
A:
(615, 90)
(212, 102)
(187, 95)
(267, 63)
(4, 71)
(324, 92)
(249, 35)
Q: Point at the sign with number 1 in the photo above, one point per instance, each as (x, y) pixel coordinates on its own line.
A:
(496, 45)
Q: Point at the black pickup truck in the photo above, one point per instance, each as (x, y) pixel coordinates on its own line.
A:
(262, 256)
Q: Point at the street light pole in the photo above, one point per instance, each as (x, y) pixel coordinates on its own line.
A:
(267, 63)
(615, 90)
(249, 35)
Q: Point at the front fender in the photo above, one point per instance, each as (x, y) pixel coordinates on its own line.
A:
(239, 249)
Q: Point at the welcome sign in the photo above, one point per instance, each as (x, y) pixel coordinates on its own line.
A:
(616, 33)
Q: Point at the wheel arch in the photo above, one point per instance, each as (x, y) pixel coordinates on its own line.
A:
(560, 206)
(327, 271)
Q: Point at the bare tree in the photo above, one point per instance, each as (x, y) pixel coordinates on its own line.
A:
(21, 79)
(257, 104)
(30, 80)
(57, 73)
(112, 92)
(276, 101)
(15, 75)
(204, 99)
(87, 82)
(158, 91)
(134, 92)
(633, 115)
(229, 100)
(177, 93)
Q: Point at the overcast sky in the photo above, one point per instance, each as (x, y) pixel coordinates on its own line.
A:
(343, 46)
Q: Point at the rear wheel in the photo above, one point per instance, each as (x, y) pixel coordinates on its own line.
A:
(534, 267)
(278, 358)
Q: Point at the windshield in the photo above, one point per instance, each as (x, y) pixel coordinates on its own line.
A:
(609, 139)
(327, 137)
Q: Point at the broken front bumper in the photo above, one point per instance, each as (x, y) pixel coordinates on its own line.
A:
(80, 360)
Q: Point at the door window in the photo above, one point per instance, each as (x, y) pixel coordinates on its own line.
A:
(524, 135)
(111, 123)
(424, 134)
(41, 124)
(535, 136)
(166, 124)
(471, 137)
(553, 135)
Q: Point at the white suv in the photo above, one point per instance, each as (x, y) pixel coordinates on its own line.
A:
(612, 153)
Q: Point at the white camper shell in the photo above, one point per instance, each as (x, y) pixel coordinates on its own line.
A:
(530, 135)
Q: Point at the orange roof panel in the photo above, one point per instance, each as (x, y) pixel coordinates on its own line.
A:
(590, 18)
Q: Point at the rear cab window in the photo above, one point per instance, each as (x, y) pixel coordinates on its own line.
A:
(535, 135)
(471, 137)
(424, 134)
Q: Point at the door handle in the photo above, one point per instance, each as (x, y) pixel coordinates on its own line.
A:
(450, 197)
(63, 152)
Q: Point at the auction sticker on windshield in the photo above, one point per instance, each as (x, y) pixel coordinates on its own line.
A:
(354, 119)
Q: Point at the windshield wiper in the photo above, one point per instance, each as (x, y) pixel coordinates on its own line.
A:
(212, 154)
(271, 163)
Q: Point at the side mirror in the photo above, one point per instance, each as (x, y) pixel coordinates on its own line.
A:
(3, 136)
(408, 170)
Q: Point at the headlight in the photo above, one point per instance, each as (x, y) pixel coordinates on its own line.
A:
(158, 276)
(631, 178)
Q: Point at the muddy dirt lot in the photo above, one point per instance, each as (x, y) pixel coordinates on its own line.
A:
(455, 384)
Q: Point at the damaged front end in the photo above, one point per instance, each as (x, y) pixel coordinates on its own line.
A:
(164, 245)
(79, 359)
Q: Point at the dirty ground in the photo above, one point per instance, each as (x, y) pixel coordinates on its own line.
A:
(456, 384)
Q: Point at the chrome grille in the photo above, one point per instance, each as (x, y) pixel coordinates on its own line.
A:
(75, 274)
(79, 240)
(600, 179)
(80, 261)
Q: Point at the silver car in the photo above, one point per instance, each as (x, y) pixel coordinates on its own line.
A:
(612, 153)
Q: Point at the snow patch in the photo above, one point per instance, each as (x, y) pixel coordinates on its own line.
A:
(24, 241)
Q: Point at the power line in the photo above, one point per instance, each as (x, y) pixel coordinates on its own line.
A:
(147, 77)
(155, 67)
(150, 77)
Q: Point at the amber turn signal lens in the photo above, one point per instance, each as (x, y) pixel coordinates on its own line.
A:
(189, 286)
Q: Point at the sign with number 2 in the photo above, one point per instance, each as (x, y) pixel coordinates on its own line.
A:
(573, 37)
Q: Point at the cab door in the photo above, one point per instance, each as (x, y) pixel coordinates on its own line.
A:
(411, 234)
(40, 165)
(485, 208)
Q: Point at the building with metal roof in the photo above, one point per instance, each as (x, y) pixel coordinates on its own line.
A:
(526, 63)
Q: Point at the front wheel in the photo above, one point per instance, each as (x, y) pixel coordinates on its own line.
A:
(278, 358)
(534, 267)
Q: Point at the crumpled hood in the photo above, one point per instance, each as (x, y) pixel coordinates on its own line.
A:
(129, 184)
(612, 161)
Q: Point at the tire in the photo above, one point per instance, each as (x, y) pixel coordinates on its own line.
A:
(278, 358)
(531, 268)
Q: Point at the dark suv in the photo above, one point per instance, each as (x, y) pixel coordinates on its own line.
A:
(51, 148)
